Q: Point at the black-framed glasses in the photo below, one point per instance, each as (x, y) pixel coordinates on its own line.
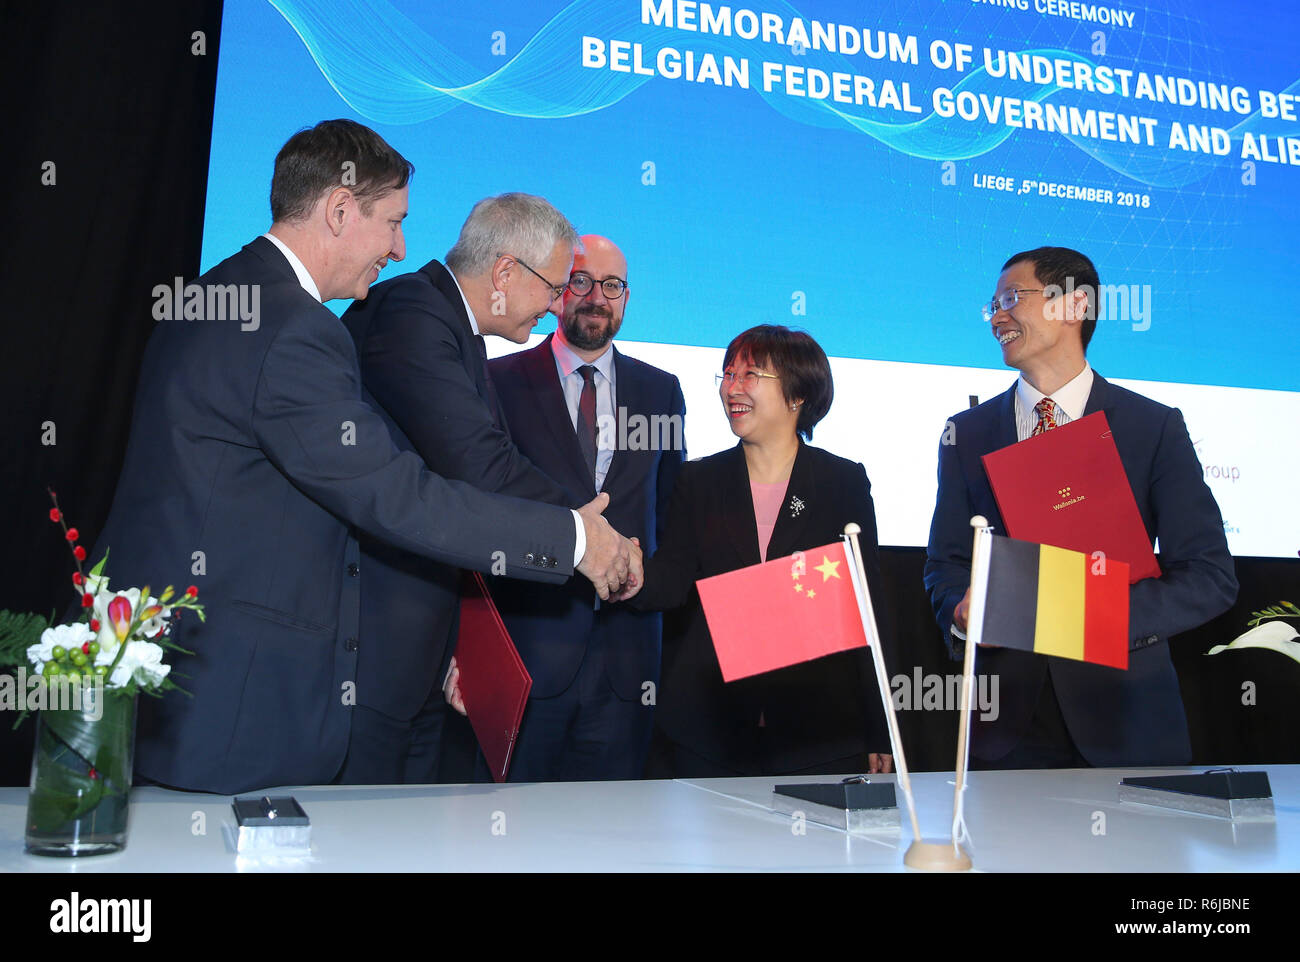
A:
(1005, 301)
(557, 290)
(746, 380)
(612, 287)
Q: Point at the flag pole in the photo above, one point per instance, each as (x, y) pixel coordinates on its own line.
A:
(926, 856)
(868, 615)
(974, 635)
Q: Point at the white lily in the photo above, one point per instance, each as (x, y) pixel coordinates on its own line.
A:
(1275, 635)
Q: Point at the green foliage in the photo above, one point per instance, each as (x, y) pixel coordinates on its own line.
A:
(1284, 610)
(81, 763)
(18, 632)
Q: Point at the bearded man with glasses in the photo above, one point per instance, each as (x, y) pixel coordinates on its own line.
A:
(1054, 712)
(596, 420)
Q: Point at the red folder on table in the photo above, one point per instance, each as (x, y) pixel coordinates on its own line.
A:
(493, 680)
(1067, 488)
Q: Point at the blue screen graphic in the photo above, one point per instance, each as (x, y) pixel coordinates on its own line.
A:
(860, 170)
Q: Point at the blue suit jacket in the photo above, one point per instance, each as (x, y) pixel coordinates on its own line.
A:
(1115, 717)
(252, 462)
(421, 369)
(552, 629)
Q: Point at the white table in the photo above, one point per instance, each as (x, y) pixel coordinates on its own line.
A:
(1018, 821)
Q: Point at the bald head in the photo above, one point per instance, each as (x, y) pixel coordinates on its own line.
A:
(600, 254)
(589, 321)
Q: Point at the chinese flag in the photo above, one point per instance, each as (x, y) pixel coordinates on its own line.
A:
(782, 612)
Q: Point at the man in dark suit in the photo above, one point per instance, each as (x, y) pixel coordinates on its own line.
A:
(1055, 712)
(597, 421)
(252, 464)
(420, 341)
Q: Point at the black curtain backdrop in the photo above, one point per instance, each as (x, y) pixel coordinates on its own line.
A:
(116, 98)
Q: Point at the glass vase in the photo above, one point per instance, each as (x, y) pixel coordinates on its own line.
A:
(81, 774)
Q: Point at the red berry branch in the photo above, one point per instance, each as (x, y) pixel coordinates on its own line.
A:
(71, 535)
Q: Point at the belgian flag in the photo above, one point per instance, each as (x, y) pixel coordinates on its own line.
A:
(1053, 602)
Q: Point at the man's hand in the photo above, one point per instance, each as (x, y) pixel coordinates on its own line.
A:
(451, 687)
(609, 559)
(962, 612)
(636, 576)
(880, 763)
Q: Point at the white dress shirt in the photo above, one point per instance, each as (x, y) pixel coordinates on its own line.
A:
(304, 276)
(567, 364)
(1070, 399)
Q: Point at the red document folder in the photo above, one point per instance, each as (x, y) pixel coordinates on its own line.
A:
(493, 680)
(1067, 488)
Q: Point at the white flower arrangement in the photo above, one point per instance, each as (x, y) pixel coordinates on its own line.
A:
(124, 634)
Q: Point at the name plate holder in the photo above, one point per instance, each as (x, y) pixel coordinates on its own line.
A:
(856, 807)
(1221, 793)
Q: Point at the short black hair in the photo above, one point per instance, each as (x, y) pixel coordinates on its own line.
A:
(1063, 268)
(334, 153)
(798, 361)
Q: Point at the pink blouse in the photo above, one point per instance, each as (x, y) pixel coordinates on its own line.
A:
(767, 506)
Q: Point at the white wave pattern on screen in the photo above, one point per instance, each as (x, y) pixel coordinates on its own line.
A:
(395, 72)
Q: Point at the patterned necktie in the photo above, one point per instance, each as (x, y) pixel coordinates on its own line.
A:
(1046, 409)
(586, 426)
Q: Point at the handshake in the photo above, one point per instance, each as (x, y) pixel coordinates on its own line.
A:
(612, 563)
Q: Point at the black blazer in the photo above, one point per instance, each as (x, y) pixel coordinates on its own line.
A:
(421, 368)
(553, 628)
(1115, 717)
(252, 463)
(814, 712)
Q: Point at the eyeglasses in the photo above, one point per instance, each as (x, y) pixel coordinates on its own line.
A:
(557, 290)
(612, 287)
(1005, 301)
(746, 380)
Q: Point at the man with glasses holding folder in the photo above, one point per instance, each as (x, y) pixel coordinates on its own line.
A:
(1055, 712)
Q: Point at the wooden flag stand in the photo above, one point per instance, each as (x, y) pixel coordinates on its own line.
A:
(925, 856)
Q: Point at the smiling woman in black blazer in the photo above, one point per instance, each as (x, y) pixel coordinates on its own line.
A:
(766, 498)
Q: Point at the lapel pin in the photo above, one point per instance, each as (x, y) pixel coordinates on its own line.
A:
(796, 505)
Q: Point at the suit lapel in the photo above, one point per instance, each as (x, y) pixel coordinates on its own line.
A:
(627, 399)
(737, 507)
(472, 346)
(1004, 424)
(446, 284)
(544, 384)
(1098, 397)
